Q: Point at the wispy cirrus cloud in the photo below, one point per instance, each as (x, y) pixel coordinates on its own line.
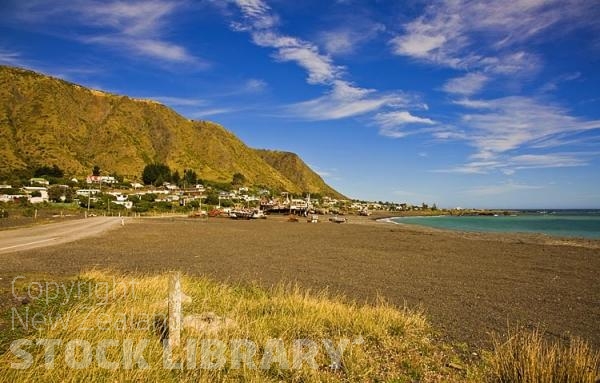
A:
(346, 40)
(343, 99)
(13, 58)
(135, 28)
(504, 124)
(69, 73)
(466, 85)
(254, 85)
(509, 164)
(346, 100)
(393, 124)
(330, 173)
(509, 133)
(319, 67)
(203, 113)
(553, 84)
(488, 35)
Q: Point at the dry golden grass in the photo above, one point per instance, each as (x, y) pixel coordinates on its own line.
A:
(393, 345)
(385, 344)
(526, 357)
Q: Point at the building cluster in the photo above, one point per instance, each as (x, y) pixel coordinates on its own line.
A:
(242, 197)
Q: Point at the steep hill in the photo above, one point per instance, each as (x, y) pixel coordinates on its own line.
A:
(45, 121)
(296, 170)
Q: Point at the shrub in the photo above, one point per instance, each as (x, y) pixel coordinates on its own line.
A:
(526, 357)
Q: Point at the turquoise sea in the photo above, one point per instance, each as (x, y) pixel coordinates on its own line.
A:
(561, 223)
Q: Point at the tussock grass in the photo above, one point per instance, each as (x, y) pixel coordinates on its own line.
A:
(386, 344)
(526, 357)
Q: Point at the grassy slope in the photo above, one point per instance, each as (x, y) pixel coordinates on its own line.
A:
(292, 167)
(385, 344)
(46, 121)
(393, 345)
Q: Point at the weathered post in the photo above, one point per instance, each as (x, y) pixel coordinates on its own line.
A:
(174, 310)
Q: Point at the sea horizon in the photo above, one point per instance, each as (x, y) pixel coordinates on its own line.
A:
(572, 223)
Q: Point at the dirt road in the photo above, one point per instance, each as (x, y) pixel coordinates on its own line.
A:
(53, 234)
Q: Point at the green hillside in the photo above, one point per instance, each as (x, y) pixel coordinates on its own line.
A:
(294, 169)
(45, 121)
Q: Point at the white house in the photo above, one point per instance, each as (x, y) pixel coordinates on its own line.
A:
(126, 204)
(43, 194)
(101, 179)
(170, 186)
(39, 181)
(86, 192)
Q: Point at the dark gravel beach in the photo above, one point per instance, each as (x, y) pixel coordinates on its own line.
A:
(468, 284)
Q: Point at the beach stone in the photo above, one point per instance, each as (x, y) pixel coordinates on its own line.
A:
(207, 322)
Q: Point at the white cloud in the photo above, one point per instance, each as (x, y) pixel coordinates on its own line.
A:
(391, 123)
(512, 122)
(135, 27)
(467, 85)
(553, 83)
(343, 99)
(487, 35)
(528, 161)
(392, 119)
(418, 45)
(202, 113)
(320, 67)
(163, 50)
(254, 85)
(322, 173)
(12, 58)
(509, 164)
(509, 133)
(257, 15)
(473, 104)
(346, 40)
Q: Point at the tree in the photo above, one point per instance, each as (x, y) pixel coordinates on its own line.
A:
(58, 193)
(96, 170)
(190, 177)
(53, 171)
(212, 198)
(176, 178)
(156, 174)
(238, 179)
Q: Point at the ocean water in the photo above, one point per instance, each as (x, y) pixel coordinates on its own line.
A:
(560, 223)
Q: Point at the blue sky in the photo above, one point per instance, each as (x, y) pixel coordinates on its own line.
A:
(461, 103)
